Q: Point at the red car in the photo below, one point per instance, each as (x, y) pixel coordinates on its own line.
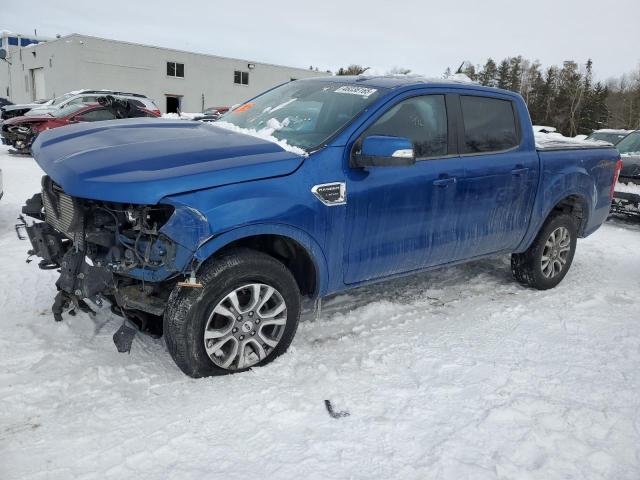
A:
(20, 132)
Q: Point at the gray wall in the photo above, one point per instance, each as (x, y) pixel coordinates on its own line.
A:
(76, 61)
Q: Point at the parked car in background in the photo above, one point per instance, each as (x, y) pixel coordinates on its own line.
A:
(17, 110)
(211, 233)
(210, 114)
(20, 132)
(612, 136)
(92, 96)
(627, 193)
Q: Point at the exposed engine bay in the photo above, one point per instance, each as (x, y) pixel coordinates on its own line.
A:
(104, 251)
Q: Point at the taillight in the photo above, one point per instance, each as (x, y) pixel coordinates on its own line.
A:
(156, 112)
(616, 174)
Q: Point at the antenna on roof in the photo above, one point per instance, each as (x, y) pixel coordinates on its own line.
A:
(460, 67)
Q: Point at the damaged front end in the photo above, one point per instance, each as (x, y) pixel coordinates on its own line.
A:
(20, 137)
(128, 255)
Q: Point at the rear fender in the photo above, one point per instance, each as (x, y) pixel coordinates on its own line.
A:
(567, 183)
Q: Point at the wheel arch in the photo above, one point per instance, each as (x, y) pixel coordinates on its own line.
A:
(575, 205)
(300, 253)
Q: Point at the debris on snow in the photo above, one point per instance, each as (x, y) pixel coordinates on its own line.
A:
(333, 413)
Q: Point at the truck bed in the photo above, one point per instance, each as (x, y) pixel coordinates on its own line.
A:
(555, 141)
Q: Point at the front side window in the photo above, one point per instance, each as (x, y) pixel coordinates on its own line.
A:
(305, 113)
(241, 78)
(175, 69)
(489, 124)
(423, 120)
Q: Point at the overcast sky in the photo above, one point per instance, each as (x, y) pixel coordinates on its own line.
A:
(424, 36)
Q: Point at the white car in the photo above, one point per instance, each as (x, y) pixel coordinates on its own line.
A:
(90, 96)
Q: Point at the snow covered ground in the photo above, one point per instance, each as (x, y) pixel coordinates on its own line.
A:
(455, 374)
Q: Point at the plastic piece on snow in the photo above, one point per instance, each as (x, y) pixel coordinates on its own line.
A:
(191, 282)
(333, 413)
(123, 338)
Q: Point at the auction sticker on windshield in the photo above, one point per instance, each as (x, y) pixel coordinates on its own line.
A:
(354, 90)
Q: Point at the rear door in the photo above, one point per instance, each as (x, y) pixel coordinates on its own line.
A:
(495, 195)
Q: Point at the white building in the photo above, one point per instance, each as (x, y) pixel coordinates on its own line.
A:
(175, 79)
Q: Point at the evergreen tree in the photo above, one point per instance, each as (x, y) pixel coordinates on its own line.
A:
(469, 70)
(488, 76)
(503, 74)
(515, 74)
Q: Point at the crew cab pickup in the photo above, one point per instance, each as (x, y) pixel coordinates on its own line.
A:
(212, 233)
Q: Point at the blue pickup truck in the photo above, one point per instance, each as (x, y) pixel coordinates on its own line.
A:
(212, 234)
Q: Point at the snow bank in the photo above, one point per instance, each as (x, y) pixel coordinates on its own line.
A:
(264, 133)
(628, 188)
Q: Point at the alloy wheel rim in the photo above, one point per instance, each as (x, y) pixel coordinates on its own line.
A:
(555, 253)
(245, 326)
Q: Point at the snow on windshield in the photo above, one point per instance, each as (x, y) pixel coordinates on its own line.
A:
(265, 133)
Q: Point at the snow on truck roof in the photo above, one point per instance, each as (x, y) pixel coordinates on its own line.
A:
(397, 81)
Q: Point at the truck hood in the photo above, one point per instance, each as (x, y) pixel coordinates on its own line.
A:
(143, 160)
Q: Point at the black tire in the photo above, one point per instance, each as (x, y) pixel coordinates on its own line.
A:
(188, 309)
(527, 267)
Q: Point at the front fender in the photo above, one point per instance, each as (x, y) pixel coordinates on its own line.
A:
(215, 244)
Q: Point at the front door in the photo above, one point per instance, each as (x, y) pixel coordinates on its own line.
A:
(399, 218)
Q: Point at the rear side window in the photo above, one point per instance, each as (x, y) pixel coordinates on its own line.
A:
(423, 120)
(489, 124)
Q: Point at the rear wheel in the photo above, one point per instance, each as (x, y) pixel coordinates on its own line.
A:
(549, 257)
(245, 315)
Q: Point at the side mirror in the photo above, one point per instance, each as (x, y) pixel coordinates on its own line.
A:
(383, 151)
(78, 118)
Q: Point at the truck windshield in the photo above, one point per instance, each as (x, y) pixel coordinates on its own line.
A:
(304, 114)
(630, 144)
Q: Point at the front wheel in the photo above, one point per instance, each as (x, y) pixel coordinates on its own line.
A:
(549, 257)
(245, 315)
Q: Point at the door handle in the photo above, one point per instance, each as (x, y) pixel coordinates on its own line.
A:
(519, 171)
(443, 182)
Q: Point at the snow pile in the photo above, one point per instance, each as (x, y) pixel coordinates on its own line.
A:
(459, 78)
(544, 129)
(628, 188)
(181, 115)
(266, 133)
(557, 140)
(455, 374)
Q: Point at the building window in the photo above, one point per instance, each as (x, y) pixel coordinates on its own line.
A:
(175, 69)
(241, 78)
